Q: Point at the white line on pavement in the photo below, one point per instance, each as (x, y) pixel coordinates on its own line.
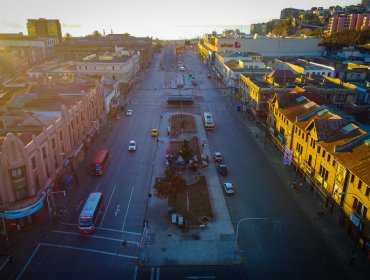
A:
(128, 206)
(117, 210)
(106, 209)
(69, 224)
(135, 273)
(88, 250)
(94, 236)
(97, 187)
(157, 276)
(28, 262)
(121, 231)
(152, 273)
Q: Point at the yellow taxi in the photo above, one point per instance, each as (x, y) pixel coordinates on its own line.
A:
(154, 132)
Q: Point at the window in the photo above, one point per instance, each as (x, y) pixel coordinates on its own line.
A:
(329, 158)
(364, 212)
(334, 163)
(33, 162)
(352, 178)
(324, 173)
(60, 135)
(309, 160)
(367, 191)
(318, 149)
(359, 184)
(323, 153)
(21, 193)
(53, 143)
(44, 152)
(16, 173)
(37, 182)
(299, 148)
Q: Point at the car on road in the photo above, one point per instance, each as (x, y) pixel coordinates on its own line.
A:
(228, 188)
(222, 169)
(181, 68)
(132, 145)
(129, 112)
(209, 76)
(217, 156)
(193, 82)
(154, 132)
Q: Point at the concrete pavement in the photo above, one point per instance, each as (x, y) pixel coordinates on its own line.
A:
(166, 243)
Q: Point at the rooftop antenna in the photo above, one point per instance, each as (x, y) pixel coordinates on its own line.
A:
(111, 30)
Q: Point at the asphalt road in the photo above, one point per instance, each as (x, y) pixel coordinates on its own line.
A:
(288, 246)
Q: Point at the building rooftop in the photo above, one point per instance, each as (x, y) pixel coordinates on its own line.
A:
(107, 58)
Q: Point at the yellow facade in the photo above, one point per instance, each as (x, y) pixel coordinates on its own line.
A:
(324, 167)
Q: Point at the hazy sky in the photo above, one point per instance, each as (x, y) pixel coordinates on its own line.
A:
(158, 18)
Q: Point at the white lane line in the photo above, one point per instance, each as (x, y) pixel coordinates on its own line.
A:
(128, 206)
(121, 231)
(28, 262)
(135, 273)
(106, 209)
(157, 276)
(97, 187)
(88, 250)
(94, 236)
(117, 210)
(79, 205)
(4, 263)
(69, 224)
(152, 273)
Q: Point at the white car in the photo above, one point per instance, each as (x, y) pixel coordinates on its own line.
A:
(129, 112)
(132, 145)
(217, 156)
(181, 68)
(228, 188)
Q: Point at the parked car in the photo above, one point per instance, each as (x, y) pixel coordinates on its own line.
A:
(181, 68)
(209, 76)
(228, 188)
(132, 145)
(129, 112)
(222, 169)
(193, 82)
(217, 156)
(154, 132)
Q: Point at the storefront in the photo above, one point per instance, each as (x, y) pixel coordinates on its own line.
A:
(19, 218)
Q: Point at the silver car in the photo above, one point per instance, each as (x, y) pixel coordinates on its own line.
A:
(229, 188)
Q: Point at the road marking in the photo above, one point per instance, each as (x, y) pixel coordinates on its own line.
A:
(95, 236)
(152, 273)
(106, 209)
(121, 231)
(97, 187)
(157, 276)
(128, 206)
(4, 263)
(88, 250)
(28, 262)
(69, 224)
(200, 277)
(117, 210)
(79, 205)
(135, 273)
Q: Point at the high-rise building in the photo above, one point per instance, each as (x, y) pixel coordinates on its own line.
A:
(44, 27)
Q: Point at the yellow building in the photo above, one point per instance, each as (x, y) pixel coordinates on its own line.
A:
(329, 152)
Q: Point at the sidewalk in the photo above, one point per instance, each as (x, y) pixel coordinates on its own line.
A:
(325, 221)
(166, 243)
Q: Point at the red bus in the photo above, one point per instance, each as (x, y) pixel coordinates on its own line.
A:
(100, 162)
(90, 213)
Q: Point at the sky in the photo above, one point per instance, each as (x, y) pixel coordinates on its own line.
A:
(163, 19)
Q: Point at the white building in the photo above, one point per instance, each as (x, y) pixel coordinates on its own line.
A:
(121, 66)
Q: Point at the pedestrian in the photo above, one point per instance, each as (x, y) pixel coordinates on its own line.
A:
(352, 259)
(10, 259)
(294, 185)
(161, 116)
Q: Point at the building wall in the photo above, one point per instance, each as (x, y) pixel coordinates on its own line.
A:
(35, 165)
(272, 47)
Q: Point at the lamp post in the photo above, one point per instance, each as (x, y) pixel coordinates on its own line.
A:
(358, 226)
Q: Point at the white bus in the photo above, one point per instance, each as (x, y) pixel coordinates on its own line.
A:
(90, 213)
(208, 121)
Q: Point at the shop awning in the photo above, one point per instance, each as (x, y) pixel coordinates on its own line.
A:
(24, 212)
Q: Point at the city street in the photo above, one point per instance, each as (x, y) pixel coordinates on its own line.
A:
(287, 246)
